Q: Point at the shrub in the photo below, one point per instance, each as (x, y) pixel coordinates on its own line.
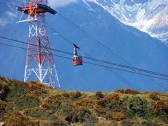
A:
(16, 91)
(99, 95)
(159, 106)
(128, 91)
(104, 122)
(35, 85)
(58, 123)
(149, 123)
(72, 95)
(111, 102)
(58, 104)
(126, 122)
(2, 78)
(1, 86)
(75, 95)
(84, 115)
(101, 111)
(37, 113)
(161, 110)
(113, 97)
(4, 92)
(66, 95)
(9, 108)
(117, 116)
(16, 119)
(85, 103)
(135, 106)
(53, 102)
(81, 115)
(26, 102)
(154, 96)
(55, 105)
(2, 108)
(17, 83)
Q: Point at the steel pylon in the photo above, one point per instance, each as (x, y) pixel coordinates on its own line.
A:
(39, 57)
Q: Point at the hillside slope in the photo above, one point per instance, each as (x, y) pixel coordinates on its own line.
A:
(33, 104)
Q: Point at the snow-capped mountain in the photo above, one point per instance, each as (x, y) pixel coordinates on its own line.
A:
(150, 16)
(98, 21)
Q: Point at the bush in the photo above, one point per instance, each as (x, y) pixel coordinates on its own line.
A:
(36, 89)
(58, 123)
(161, 110)
(126, 122)
(75, 95)
(85, 103)
(9, 108)
(99, 95)
(26, 102)
(159, 106)
(149, 123)
(37, 113)
(57, 103)
(113, 97)
(2, 108)
(84, 115)
(135, 106)
(16, 91)
(111, 102)
(101, 112)
(4, 92)
(117, 116)
(2, 78)
(103, 122)
(154, 96)
(66, 94)
(81, 115)
(16, 119)
(128, 91)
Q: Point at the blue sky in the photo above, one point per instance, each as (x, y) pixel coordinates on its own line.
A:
(127, 45)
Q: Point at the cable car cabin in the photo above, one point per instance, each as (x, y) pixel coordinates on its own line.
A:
(76, 59)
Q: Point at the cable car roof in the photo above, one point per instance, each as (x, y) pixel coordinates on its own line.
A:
(46, 8)
(76, 46)
(40, 8)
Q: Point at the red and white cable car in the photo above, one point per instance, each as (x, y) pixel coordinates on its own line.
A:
(76, 59)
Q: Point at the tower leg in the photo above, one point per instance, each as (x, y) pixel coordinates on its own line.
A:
(39, 60)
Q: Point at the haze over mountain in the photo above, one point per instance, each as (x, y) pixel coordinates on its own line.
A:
(107, 21)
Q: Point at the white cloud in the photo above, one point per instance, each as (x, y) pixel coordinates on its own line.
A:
(9, 16)
(6, 18)
(3, 22)
(60, 3)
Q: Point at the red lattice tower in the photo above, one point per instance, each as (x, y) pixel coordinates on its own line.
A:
(39, 59)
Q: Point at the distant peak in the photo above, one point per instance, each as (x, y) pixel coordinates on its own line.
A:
(147, 16)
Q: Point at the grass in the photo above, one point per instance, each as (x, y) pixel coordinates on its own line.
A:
(33, 104)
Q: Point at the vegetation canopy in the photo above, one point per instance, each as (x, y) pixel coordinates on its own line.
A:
(34, 104)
